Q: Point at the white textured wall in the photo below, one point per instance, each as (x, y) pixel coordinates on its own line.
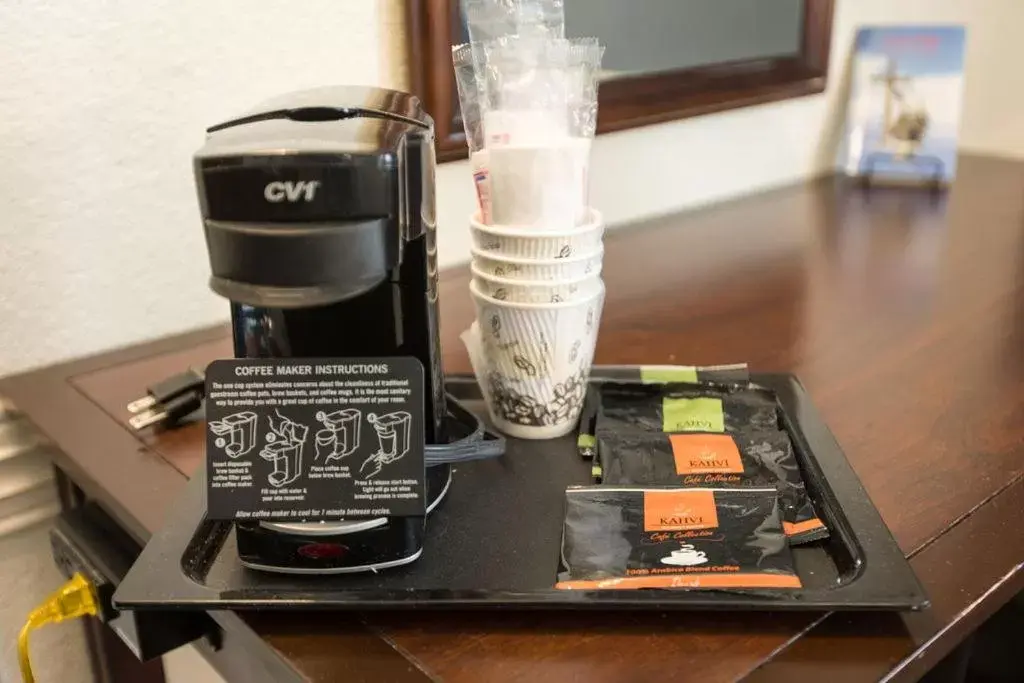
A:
(103, 102)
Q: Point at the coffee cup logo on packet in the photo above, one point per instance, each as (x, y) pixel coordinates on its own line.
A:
(635, 537)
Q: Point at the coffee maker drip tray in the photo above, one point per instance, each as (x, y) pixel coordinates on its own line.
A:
(364, 545)
(339, 547)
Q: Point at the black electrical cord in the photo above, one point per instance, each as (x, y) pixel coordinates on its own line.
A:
(478, 444)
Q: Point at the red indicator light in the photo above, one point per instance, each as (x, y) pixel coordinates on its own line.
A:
(322, 551)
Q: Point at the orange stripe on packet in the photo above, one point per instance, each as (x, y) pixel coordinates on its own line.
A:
(686, 581)
(794, 528)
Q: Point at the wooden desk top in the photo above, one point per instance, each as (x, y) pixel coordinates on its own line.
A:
(902, 313)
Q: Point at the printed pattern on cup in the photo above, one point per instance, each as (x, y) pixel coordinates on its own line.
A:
(516, 407)
(520, 242)
(572, 266)
(528, 368)
(533, 361)
(536, 293)
(536, 356)
(574, 352)
(556, 342)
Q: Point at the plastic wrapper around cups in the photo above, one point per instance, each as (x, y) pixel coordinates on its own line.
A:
(470, 105)
(533, 362)
(538, 103)
(491, 19)
(527, 168)
(518, 242)
(527, 89)
(538, 186)
(529, 107)
(533, 89)
(569, 268)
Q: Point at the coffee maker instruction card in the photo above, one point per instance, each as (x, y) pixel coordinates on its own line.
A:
(305, 439)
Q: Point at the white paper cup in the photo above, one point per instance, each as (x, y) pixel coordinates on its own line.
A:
(541, 186)
(535, 291)
(549, 270)
(524, 242)
(533, 362)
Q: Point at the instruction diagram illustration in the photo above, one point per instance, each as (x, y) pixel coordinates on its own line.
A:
(393, 432)
(340, 436)
(236, 434)
(287, 439)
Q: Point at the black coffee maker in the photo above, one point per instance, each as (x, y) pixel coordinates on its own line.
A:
(318, 208)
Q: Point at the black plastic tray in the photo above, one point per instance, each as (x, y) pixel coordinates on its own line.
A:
(494, 543)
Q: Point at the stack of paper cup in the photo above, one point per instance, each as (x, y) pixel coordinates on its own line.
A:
(538, 295)
(528, 99)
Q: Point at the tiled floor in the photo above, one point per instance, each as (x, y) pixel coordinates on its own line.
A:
(27, 575)
(28, 503)
(186, 665)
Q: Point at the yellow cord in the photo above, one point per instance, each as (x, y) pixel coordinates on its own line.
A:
(76, 598)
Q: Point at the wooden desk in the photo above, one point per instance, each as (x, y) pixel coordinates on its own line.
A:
(902, 313)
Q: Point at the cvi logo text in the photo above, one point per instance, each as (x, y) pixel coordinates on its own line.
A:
(292, 191)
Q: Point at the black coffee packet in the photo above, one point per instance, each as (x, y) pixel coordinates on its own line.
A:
(732, 375)
(687, 407)
(750, 459)
(635, 537)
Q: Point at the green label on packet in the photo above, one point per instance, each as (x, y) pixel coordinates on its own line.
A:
(586, 441)
(663, 374)
(693, 415)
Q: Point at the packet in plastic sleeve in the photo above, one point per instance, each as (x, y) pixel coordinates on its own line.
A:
(539, 103)
(469, 96)
(482, 183)
(537, 89)
(584, 70)
(525, 92)
(540, 186)
(490, 19)
(734, 374)
(760, 459)
(472, 121)
(687, 407)
(635, 537)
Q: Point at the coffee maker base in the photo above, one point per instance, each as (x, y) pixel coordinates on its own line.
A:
(339, 547)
